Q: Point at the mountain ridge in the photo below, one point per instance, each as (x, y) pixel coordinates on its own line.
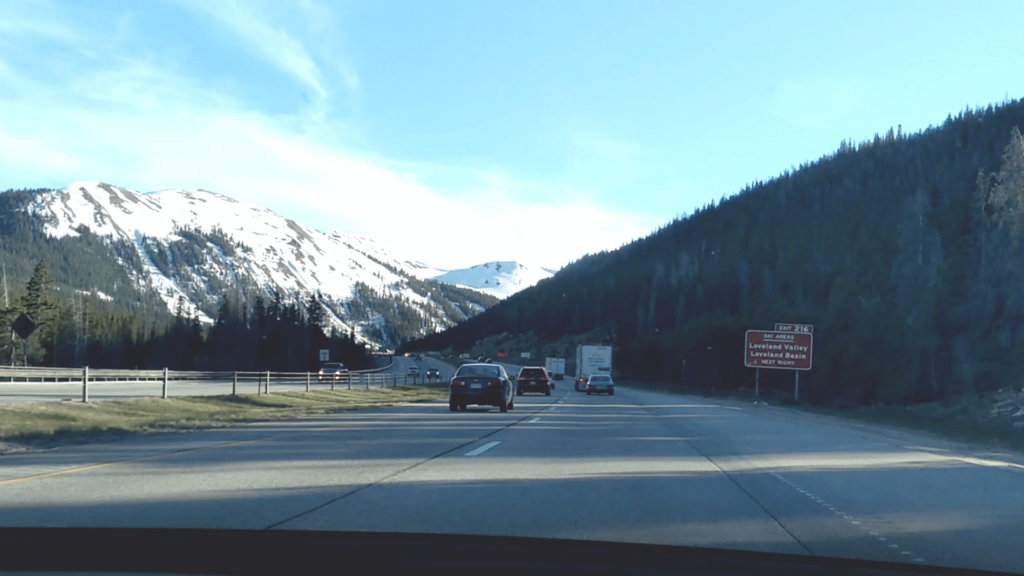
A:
(197, 246)
(498, 278)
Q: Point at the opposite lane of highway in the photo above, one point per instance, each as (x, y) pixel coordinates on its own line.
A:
(24, 392)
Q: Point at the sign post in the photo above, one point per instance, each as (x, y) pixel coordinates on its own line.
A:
(788, 347)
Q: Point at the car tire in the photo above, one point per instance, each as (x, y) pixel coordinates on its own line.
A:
(612, 393)
(503, 405)
(452, 407)
(462, 407)
(512, 405)
(588, 392)
(548, 393)
(519, 392)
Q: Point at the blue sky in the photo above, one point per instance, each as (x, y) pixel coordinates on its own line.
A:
(461, 132)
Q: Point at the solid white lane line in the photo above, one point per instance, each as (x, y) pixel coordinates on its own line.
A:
(483, 448)
(535, 420)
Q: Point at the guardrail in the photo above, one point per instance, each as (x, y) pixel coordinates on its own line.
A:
(353, 380)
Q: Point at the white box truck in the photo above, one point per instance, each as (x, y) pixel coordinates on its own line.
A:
(590, 359)
(555, 367)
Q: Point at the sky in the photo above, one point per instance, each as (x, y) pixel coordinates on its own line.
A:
(465, 132)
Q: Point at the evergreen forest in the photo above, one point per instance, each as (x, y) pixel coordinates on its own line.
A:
(906, 253)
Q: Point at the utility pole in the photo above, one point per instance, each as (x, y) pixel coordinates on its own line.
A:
(76, 318)
(7, 305)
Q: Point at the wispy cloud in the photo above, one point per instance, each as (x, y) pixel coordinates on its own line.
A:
(145, 125)
(274, 45)
(21, 19)
(157, 135)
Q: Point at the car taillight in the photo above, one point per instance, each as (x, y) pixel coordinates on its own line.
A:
(494, 383)
(521, 379)
(458, 384)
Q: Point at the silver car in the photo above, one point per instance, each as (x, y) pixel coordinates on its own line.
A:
(332, 371)
(600, 384)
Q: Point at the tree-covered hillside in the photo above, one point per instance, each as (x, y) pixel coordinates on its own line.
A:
(96, 303)
(905, 252)
(80, 263)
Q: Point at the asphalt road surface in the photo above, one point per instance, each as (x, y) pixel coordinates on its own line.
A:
(636, 467)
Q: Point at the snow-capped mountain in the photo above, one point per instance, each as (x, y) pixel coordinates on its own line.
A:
(198, 245)
(499, 279)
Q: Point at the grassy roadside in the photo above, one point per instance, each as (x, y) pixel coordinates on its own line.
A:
(979, 420)
(52, 423)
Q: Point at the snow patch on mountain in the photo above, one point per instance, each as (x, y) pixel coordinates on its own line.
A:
(500, 279)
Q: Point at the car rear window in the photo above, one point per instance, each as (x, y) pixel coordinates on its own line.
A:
(600, 379)
(333, 365)
(531, 373)
(490, 371)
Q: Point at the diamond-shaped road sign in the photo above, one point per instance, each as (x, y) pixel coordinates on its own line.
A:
(24, 326)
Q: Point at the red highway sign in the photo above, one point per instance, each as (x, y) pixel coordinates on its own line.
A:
(779, 350)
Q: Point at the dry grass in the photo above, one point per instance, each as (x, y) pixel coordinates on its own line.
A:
(47, 423)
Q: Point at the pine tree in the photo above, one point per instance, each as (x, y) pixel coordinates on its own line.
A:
(43, 311)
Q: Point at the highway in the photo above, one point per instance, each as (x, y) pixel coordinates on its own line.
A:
(23, 392)
(637, 467)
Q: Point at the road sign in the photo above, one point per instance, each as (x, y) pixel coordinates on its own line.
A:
(778, 349)
(24, 326)
(325, 355)
(805, 328)
(525, 355)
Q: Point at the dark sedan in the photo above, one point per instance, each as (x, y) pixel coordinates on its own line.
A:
(481, 385)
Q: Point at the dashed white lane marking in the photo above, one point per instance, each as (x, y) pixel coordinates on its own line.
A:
(553, 407)
(846, 516)
(483, 448)
(535, 420)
